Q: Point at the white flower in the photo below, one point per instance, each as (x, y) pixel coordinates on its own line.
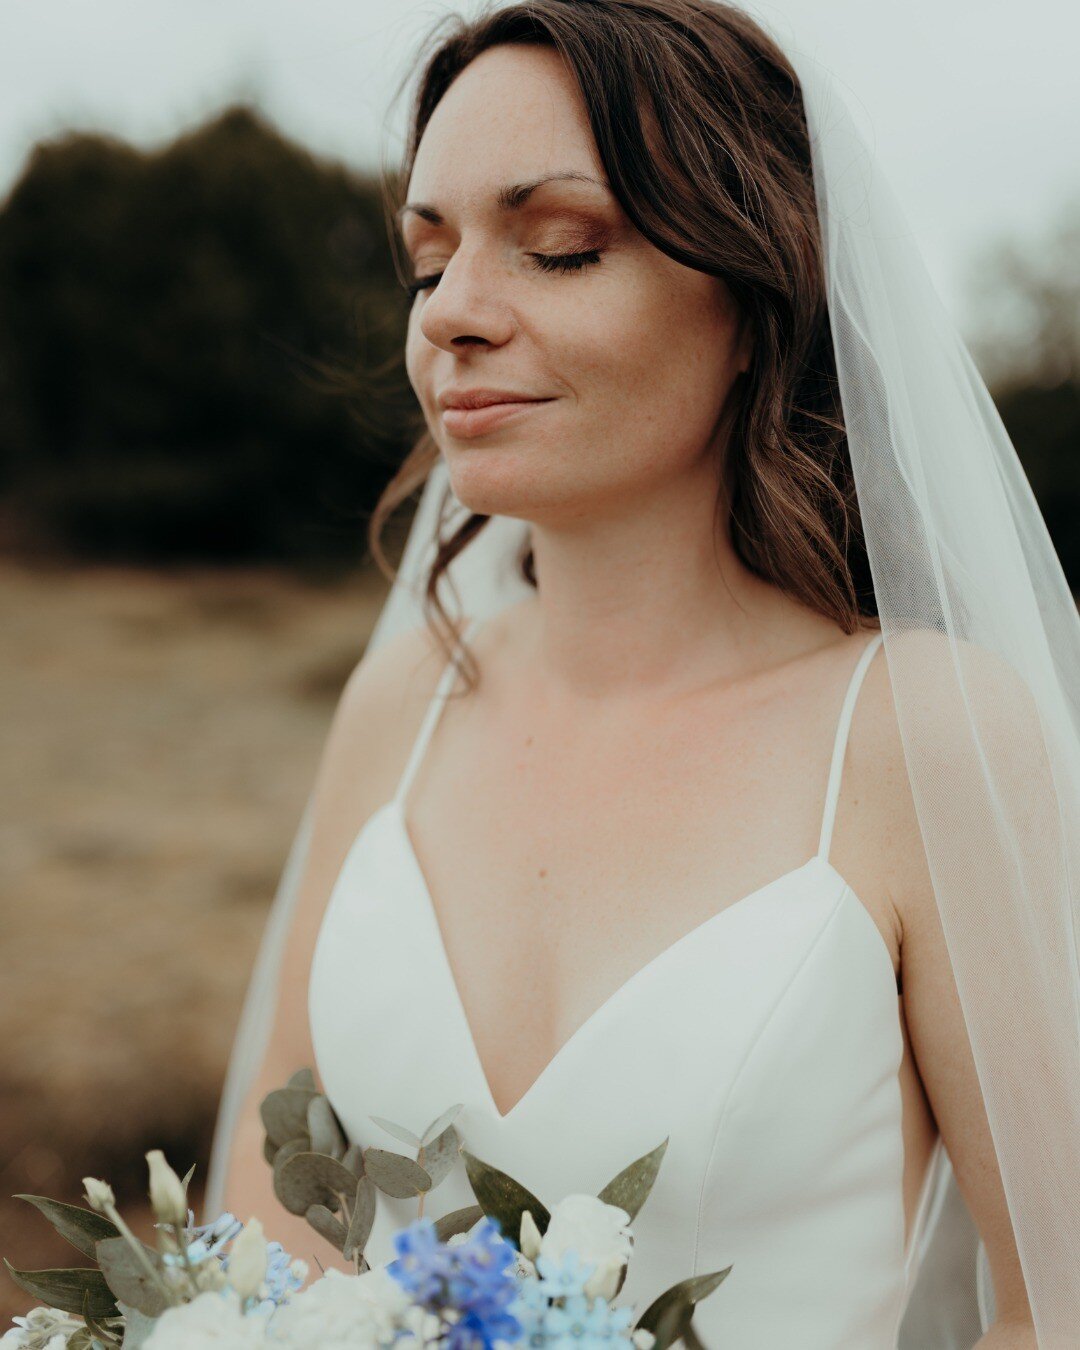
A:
(427, 1327)
(98, 1194)
(342, 1312)
(211, 1321)
(166, 1190)
(247, 1259)
(597, 1232)
(41, 1329)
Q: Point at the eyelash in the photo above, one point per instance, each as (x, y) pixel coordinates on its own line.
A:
(546, 262)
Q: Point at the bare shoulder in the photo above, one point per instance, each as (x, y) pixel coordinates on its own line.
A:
(377, 716)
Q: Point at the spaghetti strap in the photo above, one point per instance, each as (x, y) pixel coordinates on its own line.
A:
(832, 792)
(431, 716)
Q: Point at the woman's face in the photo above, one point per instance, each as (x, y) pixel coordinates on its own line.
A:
(632, 353)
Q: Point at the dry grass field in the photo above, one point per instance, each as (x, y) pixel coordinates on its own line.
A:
(159, 734)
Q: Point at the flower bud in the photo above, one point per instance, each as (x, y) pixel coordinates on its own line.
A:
(98, 1194)
(529, 1238)
(247, 1260)
(166, 1190)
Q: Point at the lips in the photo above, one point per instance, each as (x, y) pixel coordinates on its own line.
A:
(467, 422)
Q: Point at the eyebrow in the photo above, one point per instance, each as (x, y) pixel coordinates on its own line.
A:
(507, 198)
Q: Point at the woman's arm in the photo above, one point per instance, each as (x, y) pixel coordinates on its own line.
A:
(935, 1020)
(377, 714)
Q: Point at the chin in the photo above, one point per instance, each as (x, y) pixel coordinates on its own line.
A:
(492, 480)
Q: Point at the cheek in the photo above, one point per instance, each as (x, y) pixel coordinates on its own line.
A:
(654, 362)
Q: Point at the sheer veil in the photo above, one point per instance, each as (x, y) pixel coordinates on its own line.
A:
(982, 641)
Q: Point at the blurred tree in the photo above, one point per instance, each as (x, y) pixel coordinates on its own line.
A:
(163, 318)
(1024, 331)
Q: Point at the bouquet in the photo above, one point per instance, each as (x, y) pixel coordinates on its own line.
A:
(506, 1270)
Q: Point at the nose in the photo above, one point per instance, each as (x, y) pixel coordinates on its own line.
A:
(465, 308)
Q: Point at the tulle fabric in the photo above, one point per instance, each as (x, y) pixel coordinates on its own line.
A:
(982, 641)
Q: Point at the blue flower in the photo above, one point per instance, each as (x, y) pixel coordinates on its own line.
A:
(585, 1324)
(421, 1266)
(212, 1240)
(475, 1278)
(563, 1277)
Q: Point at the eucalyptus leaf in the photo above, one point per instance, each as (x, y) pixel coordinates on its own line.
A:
(306, 1179)
(327, 1225)
(81, 1227)
(630, 1189)
(457, 1221)
(503, 1199)
(441, 1155)
(269, 1149)
(353, 1159)
(398, 1131)
(363, 1217)
(127, 1277)
(669, 1313)
(303, 1078)
(137, 1326)
(323, 1128)
(63, 1289)
(284, 1113)
(395, 1174)
(440, 1123)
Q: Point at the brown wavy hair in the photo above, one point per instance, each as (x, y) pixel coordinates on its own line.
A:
(699, 123)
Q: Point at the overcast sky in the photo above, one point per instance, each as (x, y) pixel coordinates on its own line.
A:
(974, 105)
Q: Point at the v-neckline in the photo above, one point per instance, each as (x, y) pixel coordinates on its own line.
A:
(395, 809)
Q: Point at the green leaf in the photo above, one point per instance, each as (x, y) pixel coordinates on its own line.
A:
(306, 1179)
(363, 1217)
(504, 1199)
(303, 1078)
(327, 1225)
(353, 1159)
(81, 1227)
(398, 1131)
(97, 1326)
(691, 1339)
(127, 1277)
(440, 1123)
(63, 1289)
(668, 1315)
(630, 1189)
(457, 1221)
(323, 1128)
(441, 1155)
(395, 1174)
(284, 1113)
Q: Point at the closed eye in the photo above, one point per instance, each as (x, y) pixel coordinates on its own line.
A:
(545, 262)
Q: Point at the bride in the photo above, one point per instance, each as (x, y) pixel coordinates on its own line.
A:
(652, 809)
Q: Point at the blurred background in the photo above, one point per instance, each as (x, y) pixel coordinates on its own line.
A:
(192, 247)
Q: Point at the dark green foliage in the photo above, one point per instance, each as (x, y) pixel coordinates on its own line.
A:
(163, 321)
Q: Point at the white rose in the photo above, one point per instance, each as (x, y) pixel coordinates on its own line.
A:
(211, 1321)
(598, 1233)
(342, 1312)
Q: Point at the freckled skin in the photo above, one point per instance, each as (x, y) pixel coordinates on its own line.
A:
(638, 350)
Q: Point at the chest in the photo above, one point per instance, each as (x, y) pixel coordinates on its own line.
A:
(557, 867)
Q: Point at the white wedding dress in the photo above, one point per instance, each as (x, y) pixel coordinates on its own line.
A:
(764, 1043)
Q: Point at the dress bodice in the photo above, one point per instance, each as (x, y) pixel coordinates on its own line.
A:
(764, 1044)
